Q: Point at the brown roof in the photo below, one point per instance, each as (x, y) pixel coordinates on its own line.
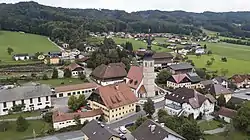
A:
(59, 116)
(135, 76)
(113, 70)
(217, 89)
(162, 55)
(75, 87)
(227, 112)
(116, 95)
(73, 66)
(239, 78)
(211, 98)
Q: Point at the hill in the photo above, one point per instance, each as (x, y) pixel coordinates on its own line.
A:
(23, 43)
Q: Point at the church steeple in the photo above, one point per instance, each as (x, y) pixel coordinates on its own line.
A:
(149, 39)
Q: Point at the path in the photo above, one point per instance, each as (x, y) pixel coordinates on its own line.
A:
(28, 118)
(62, 49)
(215, 131)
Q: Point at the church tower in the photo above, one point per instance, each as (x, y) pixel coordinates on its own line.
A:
(148, 70)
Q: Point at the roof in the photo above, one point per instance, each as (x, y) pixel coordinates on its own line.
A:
(217, 89)
(239, 78)
(226, 112)
(142, 90)
(25, 92)
(113, 70)
(116, 95)
(181, 66)
(207, 82)
(75, 87)
(220, 79)
(21, 55)
(194, 77)
(211, 98)
(163, 55)
(59, 116)
(83, 59)
(146, 131)
(135, 76)
(73, 66)
(179, 77)
(96, 131)
(185, 95)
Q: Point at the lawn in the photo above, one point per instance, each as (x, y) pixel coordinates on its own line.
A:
(231, 136)
(57, 82)
(209, 125)
(234, 66)
(23, 114)
(23, 43)
(38, 126)
(140, 44)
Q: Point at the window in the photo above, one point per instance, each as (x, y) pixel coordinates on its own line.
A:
(31, 100)
(122, 107)
(119, 108)
(151, 64)
(4, 105)
(82, 92)
(47, 102)
(14, 103)
(112, 110)
(39, 99)
(22, 102)
(5, 110)
(89, 90)
(69, 94)
(119, 113)
(146, 64)
(93, 89)
(116, 115)
(47, 98)
(61, 95)
(113, 116)
(126, 111)
(74, 93)
(39, 104)
(115, 109)
(78, 92)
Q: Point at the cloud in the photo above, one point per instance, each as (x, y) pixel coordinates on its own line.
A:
(136, 5)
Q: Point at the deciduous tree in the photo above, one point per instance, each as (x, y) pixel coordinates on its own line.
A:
(149, 107)
(73, 103)
(162, 77)
(10, 50)
(55, 74)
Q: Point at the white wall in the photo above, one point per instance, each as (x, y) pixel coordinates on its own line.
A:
(105, 83)
(226, 119)
(74, 92)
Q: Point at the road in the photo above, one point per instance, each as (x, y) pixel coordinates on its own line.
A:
(242, 94)
(74, 135)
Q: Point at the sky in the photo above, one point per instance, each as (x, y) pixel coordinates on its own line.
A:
(138, 5)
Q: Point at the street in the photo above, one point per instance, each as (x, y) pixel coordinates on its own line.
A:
(242, 94)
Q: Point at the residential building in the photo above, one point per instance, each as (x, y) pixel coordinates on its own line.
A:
(97, 131)
(226, 114)
(66, 53)
(65, 45)
(151, 130)
(75, 52)
(52, 60)
(109, 74)
(184, 101)
(240, 81)
(55, 54)
(181, 68)
(21, 57)
(217, 90)
(188, 80)
(75, 69)
(116, 101)
(221, 80)
(61, 120)
(162, 59)
(77, 89)
(34, 97)
(134, 80)
(200, 51)
(83, 61)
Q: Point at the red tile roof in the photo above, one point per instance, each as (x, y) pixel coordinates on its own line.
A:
(116, 95)
(240, 78)
(59, 116)
(135, 76)
(227, 112)
(75, 87)
(73, 66)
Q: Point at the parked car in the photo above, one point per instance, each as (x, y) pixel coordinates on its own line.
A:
(123, 129)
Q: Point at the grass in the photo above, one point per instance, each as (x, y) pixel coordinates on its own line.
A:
(23, 114)
(23, 43)
(209, 125)
(234, 66)
(57, 82)
(38, 126)
(232, 136)
(208, 32)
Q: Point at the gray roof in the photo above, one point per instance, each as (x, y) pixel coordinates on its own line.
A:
(207, 82)
(220, 79)
(181, 66)
(95, 131)
(24, 92)
(217, 89)
(194, 77)
(143, 132)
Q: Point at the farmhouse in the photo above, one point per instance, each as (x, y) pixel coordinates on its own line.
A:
(61, 120)
(109, 74)
(54, 60)
(77, 89)
(184, 101)
(151, 130)
(241, 80)
(116, 101)
(65, 45)
(34, 97)
(21, 57)
(75, 69)
(217, 90)
(181, 68)
(162, 59)
(226, 114)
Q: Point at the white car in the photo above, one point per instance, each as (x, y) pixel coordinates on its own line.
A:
(123, 129)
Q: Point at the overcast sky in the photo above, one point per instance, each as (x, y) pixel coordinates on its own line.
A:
(136, 5)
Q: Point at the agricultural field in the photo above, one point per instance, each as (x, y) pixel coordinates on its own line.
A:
(58, 82)
(22, 43)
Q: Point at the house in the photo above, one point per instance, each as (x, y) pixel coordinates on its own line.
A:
(65, 53)
(200, 51)
(240, 81)
(75, 69)
(221, 80)
(184, 101)
(151, 130)
(75, 52)
(188, 80)
(77, 89)
(162, 59)
(33, 96)
(55, 54)
(226, 114)
(134, 80)
(83, 61)
(65, 45)
(116, 101)
(21, 57)
(52, 60)
(181, 68)
(217, 90)
(109, 74)
(97, 131)
(61, 120)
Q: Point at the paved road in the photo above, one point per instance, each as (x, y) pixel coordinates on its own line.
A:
(215, 131)
(74, 135)
(28, 118)
(242, 94)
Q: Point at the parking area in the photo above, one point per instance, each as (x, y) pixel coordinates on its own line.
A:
(60, 104)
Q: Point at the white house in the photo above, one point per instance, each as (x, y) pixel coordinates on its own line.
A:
(61, 120)
(21, 57)
(34, 97)
(184, 101)
(75, 69)
(65, 45)
(200, 51)
(75, 52)
(226, 114)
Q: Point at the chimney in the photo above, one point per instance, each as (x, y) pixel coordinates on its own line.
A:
(116, 87)
(152, 128)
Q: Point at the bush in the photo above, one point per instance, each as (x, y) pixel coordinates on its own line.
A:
(220, 125)
(48, 117)
(21, 124)
(45, 77)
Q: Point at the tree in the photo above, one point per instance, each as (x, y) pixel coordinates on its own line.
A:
(149, 107)
(209, 63)
(190, 62)
(140, 121)
(18, 108)
(224, 72)
(67, 73)
(48, 117)
(129, 46)
(161, 113)
(81, 101)
(205, 46)
(73, 103)
(45, 77)
(21, 124)
(55, 74)
(82, 76)
(4, 126)
(224, 59)
(212, 59)
(10, 50)
(77, 120)
(242, 120)
(191, 131)
(209, 52)
(162, 77)
(221, 101)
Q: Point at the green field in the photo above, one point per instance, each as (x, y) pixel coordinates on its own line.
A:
(57, 82)
(23, 43)
(38, 126)
(231, 136)
(209, 125)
